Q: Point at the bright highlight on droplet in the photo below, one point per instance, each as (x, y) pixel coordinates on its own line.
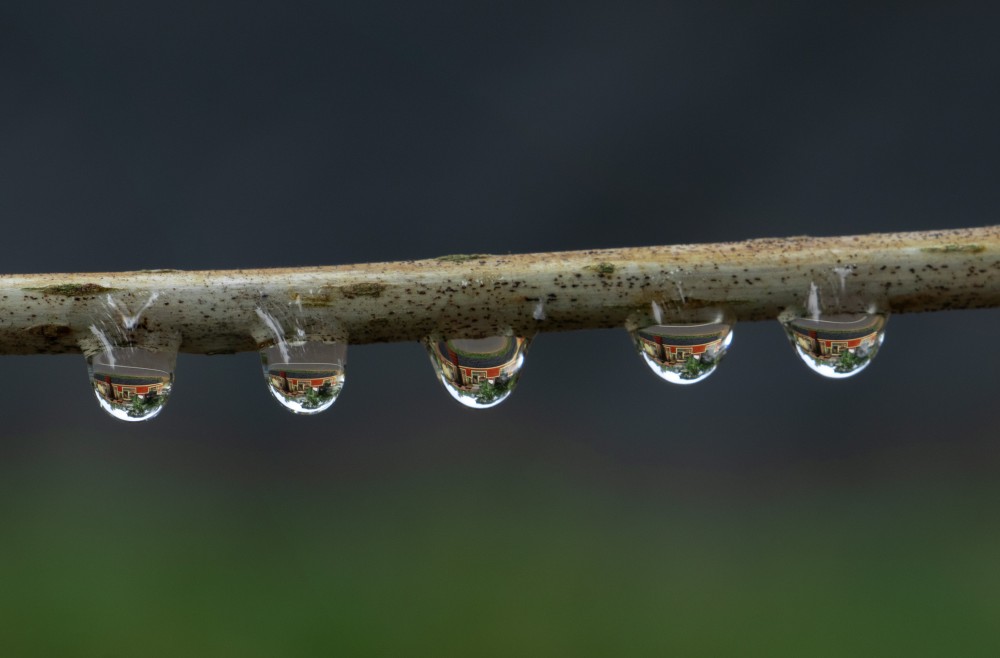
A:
(683, 353)
(304, 377)
(837, 346)
(479, 373)
(132, 383)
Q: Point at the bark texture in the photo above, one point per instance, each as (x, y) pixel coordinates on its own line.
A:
(212, 312)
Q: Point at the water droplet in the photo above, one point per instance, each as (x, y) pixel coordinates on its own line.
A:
(837, 346)
(132, 383)
(305, 377)
(684, 353)
(479, 373)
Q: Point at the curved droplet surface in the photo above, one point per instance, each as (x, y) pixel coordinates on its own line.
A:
(837, 346)
(683, 353)
(304, 377)
(479, 373)
(132, 383)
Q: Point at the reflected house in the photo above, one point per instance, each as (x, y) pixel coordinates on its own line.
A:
(827, 341)
(496, 358)
(121, 388)
(673, 345)
(297, 380)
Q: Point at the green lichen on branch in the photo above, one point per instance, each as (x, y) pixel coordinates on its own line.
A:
(602, 269)
(363, 290)
(73, 289)
(955, 248)
(461, 258)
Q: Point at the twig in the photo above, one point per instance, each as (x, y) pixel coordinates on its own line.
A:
(477, 295)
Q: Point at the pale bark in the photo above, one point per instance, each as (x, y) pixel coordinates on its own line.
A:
(478, 295)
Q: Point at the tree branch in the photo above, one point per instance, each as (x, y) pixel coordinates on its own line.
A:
(477, 295)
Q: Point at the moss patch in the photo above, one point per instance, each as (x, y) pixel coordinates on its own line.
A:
(955, 248)
(72, 289)
(363, 290)
(461, 258)
(602, 269)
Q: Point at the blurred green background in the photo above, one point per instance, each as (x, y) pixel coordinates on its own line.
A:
(597, 512)
(470, 561)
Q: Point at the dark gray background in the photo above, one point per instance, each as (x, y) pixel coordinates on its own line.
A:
(186, 135)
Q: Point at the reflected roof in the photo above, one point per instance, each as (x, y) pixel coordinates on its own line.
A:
(698, 334)
(486, 353)
(838, 330)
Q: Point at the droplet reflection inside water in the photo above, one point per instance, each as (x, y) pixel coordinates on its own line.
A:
(132, 383)
(683, 353)
(304, 377)
(837, 346)
(479, 373)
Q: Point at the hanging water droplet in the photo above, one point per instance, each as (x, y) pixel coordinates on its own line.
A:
(305, 377)
(837, 346)
(684, 353)
(132, 383)
(479, 373)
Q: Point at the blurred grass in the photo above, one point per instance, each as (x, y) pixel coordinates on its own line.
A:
(489, 563)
